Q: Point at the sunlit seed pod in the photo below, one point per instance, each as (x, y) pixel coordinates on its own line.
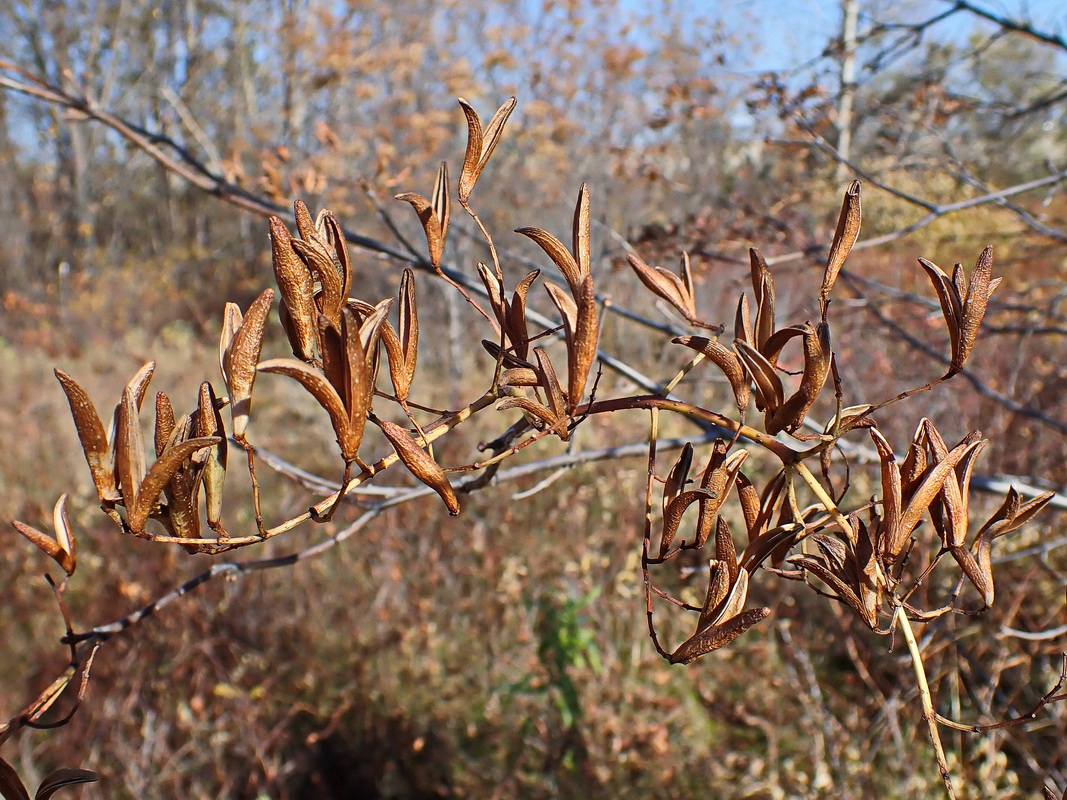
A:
(848, 230)
(241, 358)
(420, 463)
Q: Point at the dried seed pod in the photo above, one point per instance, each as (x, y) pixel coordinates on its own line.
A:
(678, 477)
(298, 292)
(480, 144)
(678, 291)
(980, 289)
(305, 225)
(329, 299)
(582, 343)
(763, 288)
(326, 395)
(61, 548)
(717, 481)
(441, 200)
(515, 314)
(769, 542)
(817, 355)
(727, 361)
(769, 391)
(557, 251)
(420, 463)
(130, 466)
(580, 245)
(743, 323)
(543, 415)
(929, 489)
(672, 516)
(748, 497)
(580, 328)
(726, 551)
(335, 235)
(1011, 515)
(160, 474)
(208, 423)
(183, 489)
(848, 231)
(843, 578)
(892, 497)
(718, 635)
(61, 778)
(519, 376)
(963, 302)
(506, 358)
(94, 441)
(164, 422)
(431, 225)
(403, 348)
(348, 404)
(240, 355)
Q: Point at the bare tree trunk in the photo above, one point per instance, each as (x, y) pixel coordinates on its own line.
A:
(850, 17)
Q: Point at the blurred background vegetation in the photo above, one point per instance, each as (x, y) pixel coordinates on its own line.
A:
(504, 653)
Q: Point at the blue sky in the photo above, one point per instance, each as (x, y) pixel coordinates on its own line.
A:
(795, 32)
